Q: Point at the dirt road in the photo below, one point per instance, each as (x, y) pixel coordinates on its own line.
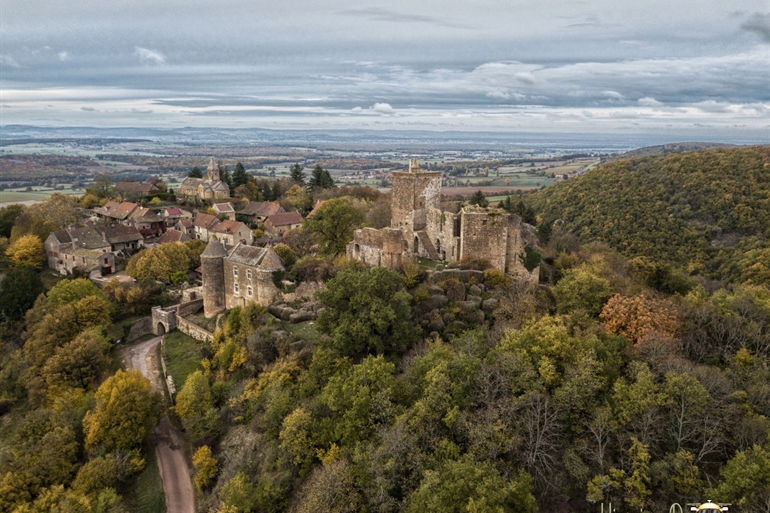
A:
(177, 484)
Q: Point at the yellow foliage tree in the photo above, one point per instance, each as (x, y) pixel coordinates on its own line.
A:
(205, 465)
(126, 409)
(27, 250)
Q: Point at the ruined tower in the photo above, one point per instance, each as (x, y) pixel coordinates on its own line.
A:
(212, 264)
(413, 193)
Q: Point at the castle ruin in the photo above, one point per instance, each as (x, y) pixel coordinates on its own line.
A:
(422, 226)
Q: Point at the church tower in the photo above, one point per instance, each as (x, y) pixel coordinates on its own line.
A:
(212, 173)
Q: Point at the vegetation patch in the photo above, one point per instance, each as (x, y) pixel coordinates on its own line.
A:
(144, 493)
(183, 356)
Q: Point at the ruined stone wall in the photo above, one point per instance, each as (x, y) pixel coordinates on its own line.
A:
(484, 235)
(193, 330)
(139, 329)
(192, 293)
(412, 194)
(377, 247)
(441, 231)
(189, 307)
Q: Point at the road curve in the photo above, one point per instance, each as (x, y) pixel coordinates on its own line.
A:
(177, 485)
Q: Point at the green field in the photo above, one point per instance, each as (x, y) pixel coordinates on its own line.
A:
(183, 356)
(303, 330)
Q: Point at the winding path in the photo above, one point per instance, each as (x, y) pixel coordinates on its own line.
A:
(177, 485)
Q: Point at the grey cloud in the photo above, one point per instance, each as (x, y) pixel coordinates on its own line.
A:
(7, 60)
(759, 24)
(387, 15)
(88, 109)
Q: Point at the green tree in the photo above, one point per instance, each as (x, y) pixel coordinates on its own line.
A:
(581, 289)
(746, 480)
(466, 485)
(125, 411)
(102, 187)
(27, 250)
(367, 312)
(195, 406)
(195, 173)
(160, 263)
(8, 217)
(78, 363)
(296, 174)
(320, 179)
(479, 199)
(333, 224)
(18, 290)
(287, 255)
(100, 472)
(239, 175)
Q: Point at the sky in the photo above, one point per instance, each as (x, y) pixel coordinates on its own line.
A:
(685, 68)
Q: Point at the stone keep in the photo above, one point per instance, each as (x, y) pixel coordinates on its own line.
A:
(212, 267)
(414, 193)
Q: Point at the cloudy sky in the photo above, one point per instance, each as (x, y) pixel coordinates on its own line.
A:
(689, 68)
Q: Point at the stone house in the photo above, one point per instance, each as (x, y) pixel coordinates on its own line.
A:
(121, 237)
(116, 211)
(135, 190)
(186, 226)
(79, 247)
(231, 233)
(225, 209)
(172, 235)
(148, 222)
(278, 224)
(203, 224)
(443, 232)
(258, 211)
(237, 277)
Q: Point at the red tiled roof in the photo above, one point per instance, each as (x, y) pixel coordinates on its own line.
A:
(204, 220)
(228, 226)
(262, 208)
(223, 208)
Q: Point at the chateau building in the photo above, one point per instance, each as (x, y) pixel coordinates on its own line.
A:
(237, 277)
(210, 187)
(422, 226)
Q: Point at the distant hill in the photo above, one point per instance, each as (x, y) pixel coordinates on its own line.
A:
(664, 149)
(706, 211)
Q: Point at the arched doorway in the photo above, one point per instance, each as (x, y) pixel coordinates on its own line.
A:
(416, 249)
(161, 329)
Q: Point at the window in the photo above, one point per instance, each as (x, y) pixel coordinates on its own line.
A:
(236, 288)
(105, 261)
(249, 291)
(235, 272)
(248, 274)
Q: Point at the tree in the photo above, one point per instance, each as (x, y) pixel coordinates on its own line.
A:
(239, 176)
(55, 213)
(195, 173)
(367, 312)
(296, 174)
(79, 363)
(89, 201)
(637, 316)
(18, 291)
(479, 199)
(27, 251)
(205, 466)
(72, 291)
(320, 179)
(8, 217)
(747, 480)
(333, 224)
(287, 255)
(466, 485)
(160, 263)
(195, 406)
(581, 289)
(125, 411)
(300, 199)
(100, 472)
(102, 187)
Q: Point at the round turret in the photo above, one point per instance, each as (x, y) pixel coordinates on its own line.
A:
(212, 266)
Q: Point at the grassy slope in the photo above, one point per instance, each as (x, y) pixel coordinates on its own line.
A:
(183, 356)
(702, 210)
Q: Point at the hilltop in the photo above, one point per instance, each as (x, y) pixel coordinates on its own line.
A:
(665, 149)
(705, 211)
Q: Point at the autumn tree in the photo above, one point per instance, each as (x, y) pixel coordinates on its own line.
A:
(160, 263)
(333, 224)
(27, 251)
(205, 466)
(637, 316)
(102, 187)
(125, 411)
(195, 406)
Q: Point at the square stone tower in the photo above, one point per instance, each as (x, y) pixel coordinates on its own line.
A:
(413, 193)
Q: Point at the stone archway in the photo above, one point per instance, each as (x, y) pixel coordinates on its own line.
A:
(160, 329)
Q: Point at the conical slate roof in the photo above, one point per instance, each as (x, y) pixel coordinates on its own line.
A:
(214, 249)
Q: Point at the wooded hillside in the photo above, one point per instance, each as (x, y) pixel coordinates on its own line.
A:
(706, 211)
